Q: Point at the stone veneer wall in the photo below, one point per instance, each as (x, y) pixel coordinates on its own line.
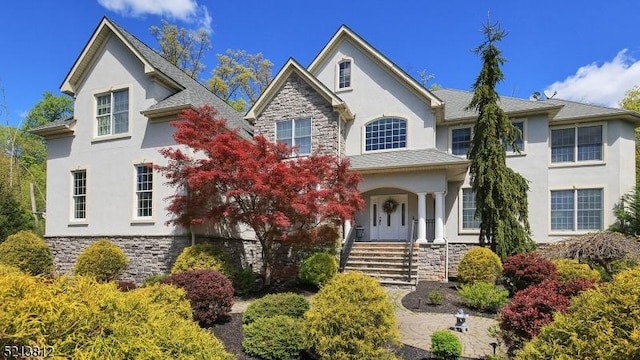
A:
(431, 260)
(149, 255)
(297, 99)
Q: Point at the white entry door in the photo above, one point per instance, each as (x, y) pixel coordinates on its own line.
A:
(388, 217)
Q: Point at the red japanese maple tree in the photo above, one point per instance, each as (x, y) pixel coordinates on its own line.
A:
(231, 180)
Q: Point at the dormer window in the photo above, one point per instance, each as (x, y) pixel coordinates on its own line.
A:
(112, 113)
(344, 74)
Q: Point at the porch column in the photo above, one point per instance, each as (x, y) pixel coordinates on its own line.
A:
(439, 231)
(422, 218)
(347, 230)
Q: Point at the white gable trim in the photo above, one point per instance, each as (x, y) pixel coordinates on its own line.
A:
(346, 34)
(290, 67)
(86, 58)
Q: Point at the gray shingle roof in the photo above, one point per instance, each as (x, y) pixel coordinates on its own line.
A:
(455, 102)
(404, 158)
(194, 92)
(60, 122)
(572, 109)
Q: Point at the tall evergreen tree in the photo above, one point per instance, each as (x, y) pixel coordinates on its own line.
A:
(501, 193)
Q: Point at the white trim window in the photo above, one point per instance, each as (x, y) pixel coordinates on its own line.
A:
(79, 197)
(579, 209)
(112, 113)
(577, 144)
(519, 138)
(461, 140)
(344, 74)
(469, 221)
(385, 133)
(144, 191)
(295, 133)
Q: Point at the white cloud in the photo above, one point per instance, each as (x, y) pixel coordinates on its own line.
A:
(603, 84)
(184, 10)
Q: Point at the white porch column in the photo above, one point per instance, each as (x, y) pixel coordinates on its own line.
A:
(422, 218)
(347, 230)
(439, 231)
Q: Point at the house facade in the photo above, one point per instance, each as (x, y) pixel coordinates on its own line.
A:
(408, 143)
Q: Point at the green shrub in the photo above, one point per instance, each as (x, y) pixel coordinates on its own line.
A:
(204, 257)
(601, 323)
(103, 260)
(274, 338)
(288, 304)
(445, 345)
(479, 264)
(244, 281)
(8, 270)
(318, 269)
(83, 319)
(570, 269)
(436, 297)
(352, 317)
(28, 252)
(628, 262)
(154, 279)
(483, 296)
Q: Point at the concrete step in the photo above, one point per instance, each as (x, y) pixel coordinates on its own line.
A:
(390, 269)
(380, 258)
(379, 263)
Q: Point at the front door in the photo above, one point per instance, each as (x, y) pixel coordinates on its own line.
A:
(389, 217)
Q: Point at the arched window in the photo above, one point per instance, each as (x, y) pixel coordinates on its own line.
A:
(386, 133)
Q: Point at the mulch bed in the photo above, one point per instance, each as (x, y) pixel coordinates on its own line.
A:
(418, 300)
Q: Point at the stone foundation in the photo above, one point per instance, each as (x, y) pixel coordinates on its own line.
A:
(432, 260)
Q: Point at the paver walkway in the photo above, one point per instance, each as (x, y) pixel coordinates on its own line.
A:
(416, 328)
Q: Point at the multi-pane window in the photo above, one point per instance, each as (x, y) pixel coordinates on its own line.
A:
(144, 190)
(579, 209)
(79, 211)
(576, 144)
(469, 220)
(387, 133)
(112, 113)
(460, 141)
(344, 74)
(519, 138)
(295, 132)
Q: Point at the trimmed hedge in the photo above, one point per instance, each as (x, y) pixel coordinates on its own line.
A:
(445, 345)
(479, 264)
(601, 323)
(28, 252)
(287, 304)
(209, 292)
(318, 269)
(274, 338)
(83, 319)
(571, 269)
(352, 318)
(203, 257)
(102, 260)
(484, 296)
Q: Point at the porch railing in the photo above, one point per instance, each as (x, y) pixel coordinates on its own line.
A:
(346, 248)
(412, 239)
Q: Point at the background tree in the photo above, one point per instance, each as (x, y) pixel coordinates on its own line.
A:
(231, 181)
(240, 77)
(501, 193)
(631, 101)
(50, 108)
(181, 47)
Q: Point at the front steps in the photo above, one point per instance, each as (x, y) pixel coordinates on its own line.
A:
(386, 261)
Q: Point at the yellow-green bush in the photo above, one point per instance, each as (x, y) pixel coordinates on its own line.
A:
(602, 323)
(83, 319)
(203, 257)
(287, 304)
(8, 270)
(479, 264)
(318, 268)
(274, 338)
(570, 269)
(103, 260)
(352, 317)
(28, 252)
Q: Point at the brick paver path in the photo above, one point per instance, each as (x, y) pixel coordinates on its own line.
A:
(416, 328)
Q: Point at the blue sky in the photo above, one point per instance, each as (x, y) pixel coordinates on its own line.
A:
(586, 51)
